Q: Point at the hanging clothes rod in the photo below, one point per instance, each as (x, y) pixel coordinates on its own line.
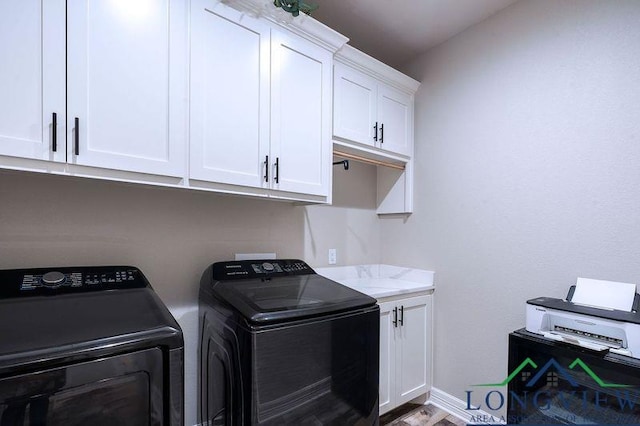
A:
(368, 160)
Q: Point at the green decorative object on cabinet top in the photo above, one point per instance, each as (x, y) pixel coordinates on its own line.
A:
(294, 7)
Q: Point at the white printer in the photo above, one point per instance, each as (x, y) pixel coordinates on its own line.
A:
(593, 327)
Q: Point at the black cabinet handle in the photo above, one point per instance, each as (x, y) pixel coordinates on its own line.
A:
(375, 134)
(381, 132)
(266, 169)
(277, 178)
(395, 316)
(401, 316)
(54, 134)
(77, 136)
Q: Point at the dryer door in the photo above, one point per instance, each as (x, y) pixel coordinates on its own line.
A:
(118, 390)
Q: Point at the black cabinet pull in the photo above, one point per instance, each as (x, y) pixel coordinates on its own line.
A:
(77, 136)
(381, 132)
(277, 178)
(266, 169)
(401, 316)
(375, 134)
(395, 316)
(54, 134)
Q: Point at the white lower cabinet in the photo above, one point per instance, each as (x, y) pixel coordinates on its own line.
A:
(405, 345)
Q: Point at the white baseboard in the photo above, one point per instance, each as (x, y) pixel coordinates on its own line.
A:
(456, 406)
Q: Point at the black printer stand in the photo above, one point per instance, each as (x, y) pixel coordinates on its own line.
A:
(559, 383)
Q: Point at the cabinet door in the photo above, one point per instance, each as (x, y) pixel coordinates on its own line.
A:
(229, 95)
(414, 314)
(387, 357)
(354, 105)
(395, 114)
(127, 85)
(300, 115)
(32, 79)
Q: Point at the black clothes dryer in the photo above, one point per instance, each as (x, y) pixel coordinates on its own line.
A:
(281, 345)
(87, 346)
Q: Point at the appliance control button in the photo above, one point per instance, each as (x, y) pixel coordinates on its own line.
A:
(53, 279)
(267, 267)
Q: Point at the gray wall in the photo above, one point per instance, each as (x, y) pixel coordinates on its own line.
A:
(350, 224)
(527, 172)
(172, 235)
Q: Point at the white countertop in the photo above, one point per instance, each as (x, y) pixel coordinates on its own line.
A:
(380, 281)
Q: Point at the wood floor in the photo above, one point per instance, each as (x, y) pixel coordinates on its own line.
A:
(420, 415)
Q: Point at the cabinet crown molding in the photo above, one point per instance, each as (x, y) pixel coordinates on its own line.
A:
(354, 58)
(303, 25)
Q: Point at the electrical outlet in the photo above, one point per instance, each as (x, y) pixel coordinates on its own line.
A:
(333, 256)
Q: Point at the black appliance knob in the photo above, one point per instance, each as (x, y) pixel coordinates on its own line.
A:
(267, 267)
(53, 279)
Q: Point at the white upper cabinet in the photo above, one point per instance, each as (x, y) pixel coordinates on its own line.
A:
(224, 96)
(354, 105)
(32, 79)
(395, 122)
(230, 58)
(373, 121)
(96, 84)
(125, 73)
(300, 115)
(260, 104)
(370, 112)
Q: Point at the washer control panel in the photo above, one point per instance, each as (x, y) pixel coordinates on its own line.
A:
(245, 269)
(48, 281)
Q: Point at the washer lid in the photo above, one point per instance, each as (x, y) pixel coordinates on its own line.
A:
(286, 298)
(90, 309)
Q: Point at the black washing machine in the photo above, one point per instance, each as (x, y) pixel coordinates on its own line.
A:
(87, 346)
(281, 345)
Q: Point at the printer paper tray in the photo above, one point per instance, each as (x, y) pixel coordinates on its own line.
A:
(561, 337)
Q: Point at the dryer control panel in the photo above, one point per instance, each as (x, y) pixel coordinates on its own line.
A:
(49, 281)
(251, 269)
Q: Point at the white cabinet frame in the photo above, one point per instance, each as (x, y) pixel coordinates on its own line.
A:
(405, 350)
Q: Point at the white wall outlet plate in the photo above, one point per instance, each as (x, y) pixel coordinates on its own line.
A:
(333, 256)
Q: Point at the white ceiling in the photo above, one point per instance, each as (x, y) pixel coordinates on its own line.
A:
(396, 31)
